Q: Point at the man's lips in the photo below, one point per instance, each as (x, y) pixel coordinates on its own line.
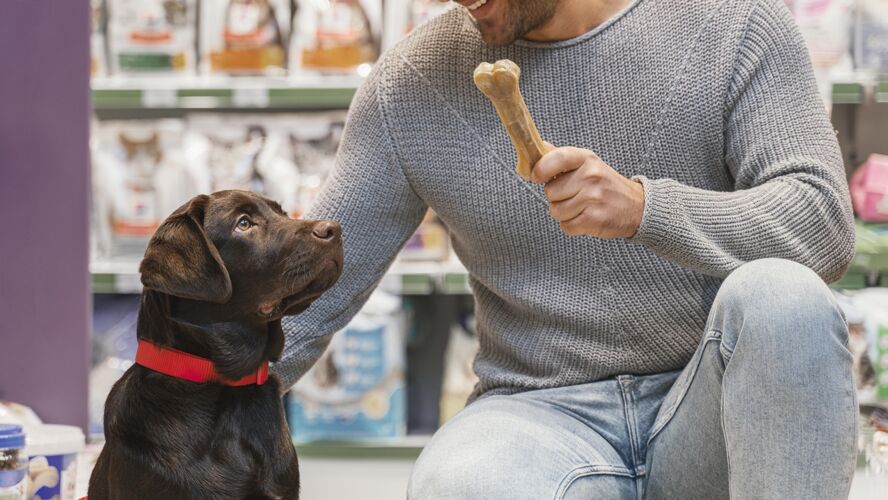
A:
(478, 8)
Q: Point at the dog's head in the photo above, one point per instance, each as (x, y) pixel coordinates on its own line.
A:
(235, 257)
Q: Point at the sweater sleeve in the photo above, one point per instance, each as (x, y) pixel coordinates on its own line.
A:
(371, 198)
(790, 198)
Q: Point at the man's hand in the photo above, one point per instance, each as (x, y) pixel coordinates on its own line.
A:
(587, 196)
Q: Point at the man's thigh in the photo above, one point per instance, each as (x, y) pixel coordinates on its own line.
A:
(508, 447)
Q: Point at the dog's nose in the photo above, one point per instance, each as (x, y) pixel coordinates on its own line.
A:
(327, 230)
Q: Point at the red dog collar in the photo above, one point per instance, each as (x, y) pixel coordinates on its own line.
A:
(189, 367)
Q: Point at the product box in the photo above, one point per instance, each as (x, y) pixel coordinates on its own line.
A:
(871, 36)
(313, 139)
(357, 389)
(139, 177)
(244, 37)
(242, 152)
(336, 36)
(152, 36)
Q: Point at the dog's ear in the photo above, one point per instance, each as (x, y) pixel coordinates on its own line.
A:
(182, 261)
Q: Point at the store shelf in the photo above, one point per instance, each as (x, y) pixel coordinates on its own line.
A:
(305, 93)
(404, 278)
(406, 448)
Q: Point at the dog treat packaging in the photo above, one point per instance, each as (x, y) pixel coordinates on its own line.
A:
(139, 178)
(357, 389)
(871, 36)
(98, 56)
(52, 461)
(13, 463)
(243, 152)
(152, 36)
(869, 189)
(244, 37)
(335, 36)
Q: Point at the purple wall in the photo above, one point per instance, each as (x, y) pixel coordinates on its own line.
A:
(44, 190)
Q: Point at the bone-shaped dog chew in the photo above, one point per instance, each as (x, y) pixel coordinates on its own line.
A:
(499, 82)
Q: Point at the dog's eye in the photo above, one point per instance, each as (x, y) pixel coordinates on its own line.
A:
(244, 224)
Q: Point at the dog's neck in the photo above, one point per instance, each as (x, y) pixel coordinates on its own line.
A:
(236, 346)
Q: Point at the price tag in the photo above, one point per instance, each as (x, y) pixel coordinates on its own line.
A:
(159, 98)
(249, 98)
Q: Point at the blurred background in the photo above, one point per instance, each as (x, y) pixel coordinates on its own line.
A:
(117, 111)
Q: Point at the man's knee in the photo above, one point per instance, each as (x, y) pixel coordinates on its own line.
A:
(777, 304)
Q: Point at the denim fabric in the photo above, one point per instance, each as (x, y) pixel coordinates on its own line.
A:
(764, 410)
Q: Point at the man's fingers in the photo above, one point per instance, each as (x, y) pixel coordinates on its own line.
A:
(558, 161)
(568, 209)
(563, 187)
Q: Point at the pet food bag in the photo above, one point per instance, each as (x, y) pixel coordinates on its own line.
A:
(139, 178)
(242, 152)
(152, 36)
(244, 37)
(357, 389)
(312, 140)
(869, 189)
(335, 36)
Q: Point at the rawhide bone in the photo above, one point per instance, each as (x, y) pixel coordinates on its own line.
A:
(499, 82)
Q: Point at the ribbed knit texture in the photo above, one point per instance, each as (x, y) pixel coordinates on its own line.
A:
(712, 104)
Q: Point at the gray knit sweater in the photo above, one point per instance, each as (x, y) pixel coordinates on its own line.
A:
(711, 103)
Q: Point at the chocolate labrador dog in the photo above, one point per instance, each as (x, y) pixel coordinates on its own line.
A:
(218, 275)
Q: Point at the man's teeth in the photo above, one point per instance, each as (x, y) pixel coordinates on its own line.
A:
(477, 4)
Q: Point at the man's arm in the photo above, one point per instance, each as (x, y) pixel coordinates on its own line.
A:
(792, 198)
(369, 195)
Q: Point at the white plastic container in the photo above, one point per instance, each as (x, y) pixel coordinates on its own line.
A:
(52, 467)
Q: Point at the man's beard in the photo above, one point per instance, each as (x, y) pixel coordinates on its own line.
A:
(522, 16)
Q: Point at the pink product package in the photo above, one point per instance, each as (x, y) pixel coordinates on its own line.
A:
(869, 189)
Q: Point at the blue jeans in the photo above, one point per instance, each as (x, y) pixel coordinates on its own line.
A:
(765, 409)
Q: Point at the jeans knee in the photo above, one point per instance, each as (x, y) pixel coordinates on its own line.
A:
(777, 304)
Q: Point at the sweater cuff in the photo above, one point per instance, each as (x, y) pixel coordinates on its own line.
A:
(654, 227)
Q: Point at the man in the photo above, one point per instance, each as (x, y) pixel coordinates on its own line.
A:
(652, 308)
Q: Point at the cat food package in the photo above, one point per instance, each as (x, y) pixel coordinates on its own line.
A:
(242, 152)
(871, 36)
(312, 140)
(866, 312)
(336, 36)
(139, 178)
(244, 37)
(357, 389)
(152, 36)
(403, 16)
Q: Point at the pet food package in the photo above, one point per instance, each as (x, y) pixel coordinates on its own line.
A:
(242, 152)
(430, 242)
(139, 177)
(866, 312)
(313, 139)
(336, 36)
(357, 389)
(403, 16)
(98, 55)
(152, 36)
(244, 37)
(871, 36)
(869, 189)
(459, 377)
(826, 26)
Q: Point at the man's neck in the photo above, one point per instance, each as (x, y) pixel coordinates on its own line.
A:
(572, 18)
